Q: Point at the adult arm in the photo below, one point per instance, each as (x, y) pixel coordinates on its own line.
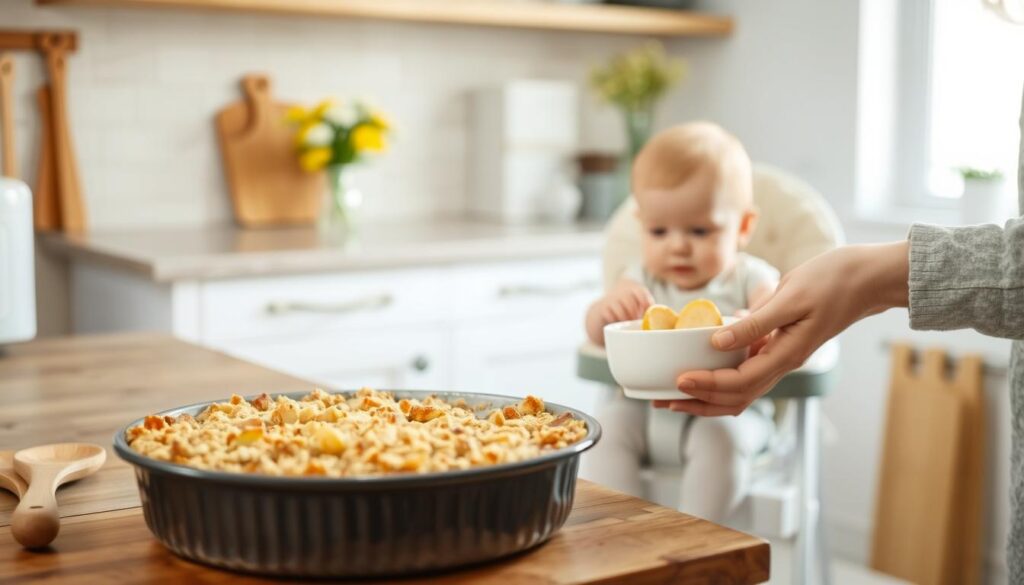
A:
(814, 302)
(968, 277)
(951, 278)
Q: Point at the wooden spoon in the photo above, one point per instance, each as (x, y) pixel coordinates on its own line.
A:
(35, 522)
(55, 47)
(45, 201)
(9, 478)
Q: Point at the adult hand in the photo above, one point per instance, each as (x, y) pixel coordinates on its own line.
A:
(814, 302)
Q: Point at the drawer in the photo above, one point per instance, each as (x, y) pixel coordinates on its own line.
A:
(416, 358)
(311, 304)
(530, 356)
(558, 287)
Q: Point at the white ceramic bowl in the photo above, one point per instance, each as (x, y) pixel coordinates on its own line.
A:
(647, 363)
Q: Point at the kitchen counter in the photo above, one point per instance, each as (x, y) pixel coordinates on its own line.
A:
(166, 255)
(85, 388)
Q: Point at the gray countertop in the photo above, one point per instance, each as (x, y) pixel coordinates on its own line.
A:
(166, 255)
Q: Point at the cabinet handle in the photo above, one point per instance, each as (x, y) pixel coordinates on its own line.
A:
(369, 303)
(420, 363)
(532, 290)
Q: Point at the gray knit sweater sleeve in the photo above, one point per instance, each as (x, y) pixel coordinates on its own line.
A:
(968, 277)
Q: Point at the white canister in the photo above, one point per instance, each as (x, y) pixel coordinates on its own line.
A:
(562, 202)
(17, 271)
(521, 133)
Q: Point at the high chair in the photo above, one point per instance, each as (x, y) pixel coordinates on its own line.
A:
(796, 223)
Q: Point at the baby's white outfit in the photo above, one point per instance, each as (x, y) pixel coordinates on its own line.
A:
(730, 290)
(717, 453)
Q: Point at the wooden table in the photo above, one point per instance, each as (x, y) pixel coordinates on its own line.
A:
(85, 388)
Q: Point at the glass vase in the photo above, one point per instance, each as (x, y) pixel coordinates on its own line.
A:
(339, 219)
(639, 123)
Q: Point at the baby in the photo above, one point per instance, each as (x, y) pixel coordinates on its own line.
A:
(693, 189)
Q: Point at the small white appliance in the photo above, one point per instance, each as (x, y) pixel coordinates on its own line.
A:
(17, 272)
(523, 133)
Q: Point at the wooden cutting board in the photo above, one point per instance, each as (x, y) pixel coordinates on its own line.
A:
(928, 510)
(10, 165)
(268, 187)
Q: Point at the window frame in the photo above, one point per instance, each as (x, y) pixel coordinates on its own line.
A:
(915, 87)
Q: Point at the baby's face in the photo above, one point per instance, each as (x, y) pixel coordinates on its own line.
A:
(691, 234)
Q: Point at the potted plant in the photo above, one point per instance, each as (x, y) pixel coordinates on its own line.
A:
(984, 196)
(332, 137)
(634, 82)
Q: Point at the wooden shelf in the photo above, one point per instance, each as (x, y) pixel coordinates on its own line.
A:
(500, 13)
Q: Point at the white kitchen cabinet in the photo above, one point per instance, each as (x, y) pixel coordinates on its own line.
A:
(520, 324)
(396, 357)
(509, 327)
(525, 356)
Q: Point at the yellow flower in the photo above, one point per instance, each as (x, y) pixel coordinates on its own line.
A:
(300, 135)
(380, 121)
(300, 115)
(318, 111)
(297, 115)
(368, 137)
(315, 159)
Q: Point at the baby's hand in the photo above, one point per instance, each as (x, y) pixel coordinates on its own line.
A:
(627, 301)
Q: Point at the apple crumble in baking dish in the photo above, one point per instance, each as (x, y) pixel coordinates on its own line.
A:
(367, 432)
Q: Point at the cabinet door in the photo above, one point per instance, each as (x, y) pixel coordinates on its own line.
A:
(519, 326)
(390, 358)
(534, 356)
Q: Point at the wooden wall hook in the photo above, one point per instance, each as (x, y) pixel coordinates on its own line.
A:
(62, 41)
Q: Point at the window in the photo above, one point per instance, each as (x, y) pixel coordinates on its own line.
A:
(940, 87)
(977, 79)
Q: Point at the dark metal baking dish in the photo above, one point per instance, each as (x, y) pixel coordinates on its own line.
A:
(361, 526)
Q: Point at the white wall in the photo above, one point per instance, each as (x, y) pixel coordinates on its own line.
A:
(145, 84)
(785, 84)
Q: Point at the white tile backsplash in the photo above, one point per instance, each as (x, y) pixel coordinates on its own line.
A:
(146, 83)
(107, 106)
